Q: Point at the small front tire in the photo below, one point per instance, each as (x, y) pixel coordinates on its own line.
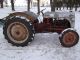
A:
(69, 38)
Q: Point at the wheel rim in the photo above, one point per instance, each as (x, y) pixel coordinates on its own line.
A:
(69, 38)
(18, 32)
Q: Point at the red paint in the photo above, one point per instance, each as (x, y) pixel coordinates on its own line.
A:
(48, 25)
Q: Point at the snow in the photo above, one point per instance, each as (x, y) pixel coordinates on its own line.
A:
(45, 46)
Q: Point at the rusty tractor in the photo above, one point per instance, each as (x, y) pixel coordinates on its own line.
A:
(20, 27)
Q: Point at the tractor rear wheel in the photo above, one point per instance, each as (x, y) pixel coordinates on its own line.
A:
(18, 31)
(69, 38)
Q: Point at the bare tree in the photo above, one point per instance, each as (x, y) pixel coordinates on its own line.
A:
(1, 3)
(28, 4)
(52, 3)
(12, 5)
(38, 5)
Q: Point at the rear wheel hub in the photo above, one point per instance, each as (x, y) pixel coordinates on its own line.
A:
(18, 32)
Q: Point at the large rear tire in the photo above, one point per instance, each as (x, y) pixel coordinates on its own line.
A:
(18, 31)
(69, 38)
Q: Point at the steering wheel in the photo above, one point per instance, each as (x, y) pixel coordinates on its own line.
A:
(40, 17)
(42, 12)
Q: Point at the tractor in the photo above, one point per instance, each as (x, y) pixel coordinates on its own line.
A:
(20, 27)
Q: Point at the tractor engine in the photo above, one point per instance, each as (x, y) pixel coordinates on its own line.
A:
(45, 26)
(51, 25)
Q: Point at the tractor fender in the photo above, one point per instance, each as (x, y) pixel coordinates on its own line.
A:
(67, 29)
(25, 15)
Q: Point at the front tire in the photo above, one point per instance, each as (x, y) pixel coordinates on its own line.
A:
(18, 31)
(69, 38)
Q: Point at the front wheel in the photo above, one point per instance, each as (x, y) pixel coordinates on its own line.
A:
(69, 38)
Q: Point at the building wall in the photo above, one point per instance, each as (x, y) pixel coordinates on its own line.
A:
(42, 2)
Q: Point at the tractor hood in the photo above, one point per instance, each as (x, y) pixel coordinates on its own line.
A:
(70, 16)
(60, 15)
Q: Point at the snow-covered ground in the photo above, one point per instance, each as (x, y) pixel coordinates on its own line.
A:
(45, 46)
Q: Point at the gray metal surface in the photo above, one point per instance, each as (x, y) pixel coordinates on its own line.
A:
(70, 16)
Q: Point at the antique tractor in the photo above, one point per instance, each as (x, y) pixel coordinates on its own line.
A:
(21, 27)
